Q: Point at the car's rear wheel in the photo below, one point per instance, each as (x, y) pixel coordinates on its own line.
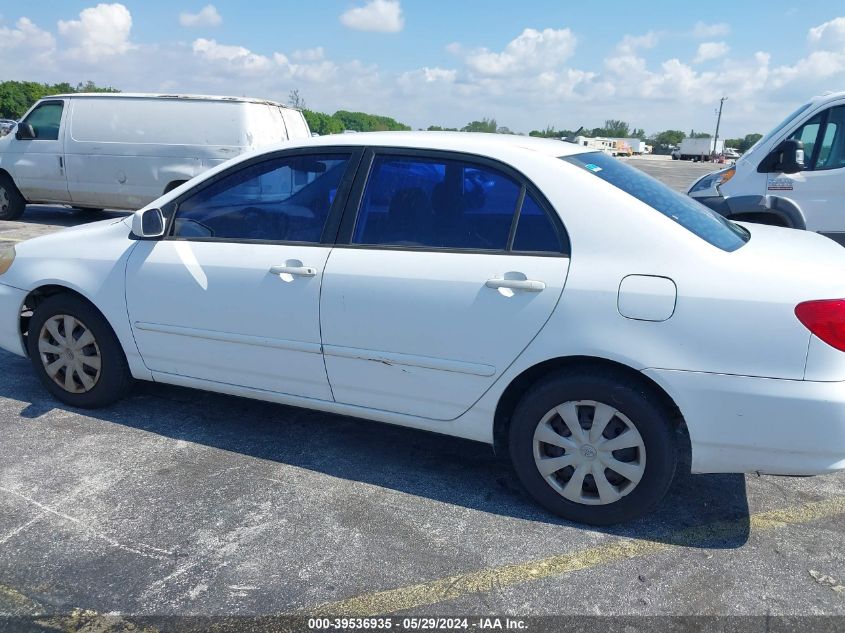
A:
(12, 203)
(76, 354)
(593, 447)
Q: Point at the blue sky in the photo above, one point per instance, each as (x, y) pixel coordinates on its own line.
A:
(657, 65)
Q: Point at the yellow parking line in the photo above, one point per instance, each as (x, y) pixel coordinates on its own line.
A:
(9, 239)
(485, 580)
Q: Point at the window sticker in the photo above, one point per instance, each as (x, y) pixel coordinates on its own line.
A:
(593, 168)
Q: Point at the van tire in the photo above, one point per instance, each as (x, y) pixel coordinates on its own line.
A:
(172, 185)
(12, 203)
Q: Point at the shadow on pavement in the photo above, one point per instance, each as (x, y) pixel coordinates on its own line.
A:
(703, 511)
(53, 215)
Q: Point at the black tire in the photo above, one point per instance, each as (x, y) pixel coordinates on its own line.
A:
(172, 185)
(639, 405)
(12, 203)
(114, 379)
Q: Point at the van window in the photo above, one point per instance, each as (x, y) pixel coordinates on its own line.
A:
(158, 121)
(807, 134)
(832, 143)
(45, 120)
(690, 214)
(285, 199)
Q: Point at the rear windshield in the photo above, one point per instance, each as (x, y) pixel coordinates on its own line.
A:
(692, 215)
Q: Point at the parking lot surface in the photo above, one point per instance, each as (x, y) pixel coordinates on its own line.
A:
(178, 502)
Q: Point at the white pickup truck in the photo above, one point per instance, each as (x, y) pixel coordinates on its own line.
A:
(794, 176)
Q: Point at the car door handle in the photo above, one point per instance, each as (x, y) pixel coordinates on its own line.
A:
(529, 285)
(296, 271)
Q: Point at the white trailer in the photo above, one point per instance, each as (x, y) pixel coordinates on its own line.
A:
(700, 148)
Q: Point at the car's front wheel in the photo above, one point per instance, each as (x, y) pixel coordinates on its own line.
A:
(593, 447)
(76, 354)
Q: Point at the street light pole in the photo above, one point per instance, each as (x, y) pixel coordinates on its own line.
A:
(718, 121)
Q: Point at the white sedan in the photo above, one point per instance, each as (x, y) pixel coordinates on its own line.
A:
(548, 300)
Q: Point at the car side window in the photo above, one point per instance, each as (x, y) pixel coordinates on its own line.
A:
(832, 142)
(285, 199)
(535, 231)
(45, 120)
(436, 203)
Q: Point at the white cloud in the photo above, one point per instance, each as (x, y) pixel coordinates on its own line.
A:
(439, 74)
(631, 43)
(236, 57)
(27, 33)
(535, 80)
(717, 29)
(207, 16)
(710, 50)
(310, 54)
(384, 16)
(531, 51)
(99, 32)
(830, 35)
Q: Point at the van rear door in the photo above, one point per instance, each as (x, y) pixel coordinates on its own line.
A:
(296, 124)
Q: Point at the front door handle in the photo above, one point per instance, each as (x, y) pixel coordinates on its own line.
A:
(296, 271)
(529, 285)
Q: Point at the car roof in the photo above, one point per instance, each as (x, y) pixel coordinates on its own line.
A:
(469, 142)
(151, 95)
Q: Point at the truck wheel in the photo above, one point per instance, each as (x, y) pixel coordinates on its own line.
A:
(593, 446)
(76, 354)
(12, 203)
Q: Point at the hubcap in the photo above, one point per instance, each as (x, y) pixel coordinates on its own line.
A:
(69, 353)
(589, 452)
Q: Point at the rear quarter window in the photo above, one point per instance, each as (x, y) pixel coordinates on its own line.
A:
(692, 215)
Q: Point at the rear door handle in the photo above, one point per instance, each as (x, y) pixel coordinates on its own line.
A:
(296, 271)
(529, 285)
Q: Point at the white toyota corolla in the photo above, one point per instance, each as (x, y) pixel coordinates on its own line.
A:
(531, 294)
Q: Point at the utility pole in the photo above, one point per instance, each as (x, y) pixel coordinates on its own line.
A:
(718, 121)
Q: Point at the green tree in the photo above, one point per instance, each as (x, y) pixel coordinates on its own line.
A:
(748, 141)
(323, 123)
(363, 122)
(16, 97)
(551, 132)
(437, 128)
(488, 126)
(668, 137)
(614, 128)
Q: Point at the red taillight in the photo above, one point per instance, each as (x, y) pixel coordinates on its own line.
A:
(825, 319)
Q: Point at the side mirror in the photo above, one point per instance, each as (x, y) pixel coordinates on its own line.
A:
(788, 157)
(25, 132)
(148, 224)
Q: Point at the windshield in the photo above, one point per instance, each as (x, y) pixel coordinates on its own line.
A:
(692, 215)
(777, 128)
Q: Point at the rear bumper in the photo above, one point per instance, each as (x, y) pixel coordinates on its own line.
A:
(746, 424)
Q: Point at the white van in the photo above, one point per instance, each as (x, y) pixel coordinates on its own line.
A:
(122, 151)
(794, 176)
